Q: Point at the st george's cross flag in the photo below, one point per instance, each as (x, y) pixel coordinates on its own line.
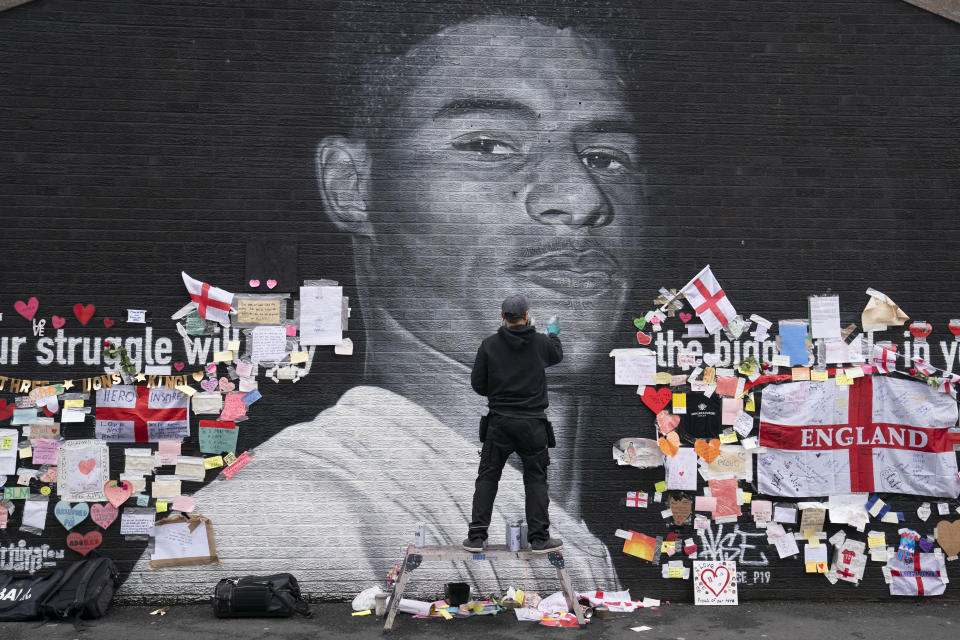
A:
(880, 434)
(709, 301)
(212, 303)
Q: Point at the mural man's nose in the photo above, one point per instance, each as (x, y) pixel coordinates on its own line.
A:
(563, 192)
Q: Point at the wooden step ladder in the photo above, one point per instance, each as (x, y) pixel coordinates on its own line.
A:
(416, 555)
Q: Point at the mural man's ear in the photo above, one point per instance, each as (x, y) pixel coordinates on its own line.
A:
(343, 175)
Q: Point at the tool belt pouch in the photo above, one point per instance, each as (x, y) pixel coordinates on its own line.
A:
(551, 439)
(276, 596)
(484, 421)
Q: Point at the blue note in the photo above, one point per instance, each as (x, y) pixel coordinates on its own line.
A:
(794, 344)
(251, 397)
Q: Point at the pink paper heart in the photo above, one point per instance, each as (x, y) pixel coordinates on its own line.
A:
(118, 492)
(686, 317)
(58, 321)
(27, 309)
(254, 283)
(271, 284)
(209, 385)
(226, 386)
(212, 367)
(178, 366)
(103, 514)
(667, 421)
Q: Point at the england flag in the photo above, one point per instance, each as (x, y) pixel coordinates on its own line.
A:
(709, 301)
(212, 303)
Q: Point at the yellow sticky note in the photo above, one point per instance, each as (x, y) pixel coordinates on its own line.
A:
(728, 438)
(446, 614)
(679, 402)
(747, 497)
(668, 545)
(223, 356)
(186, 389)
(842, 380)
(229, 458)
(233, 345)
(813, 540)
(73, 402)
(661, 486)
(750, 405)
(161, 506)
(26, 452)
(675, 572)
(819, 376)
(662, 377)
(299, 356)
(801, 373)
(213, 462)
(519, 596)
(816, 567)
(6, 443)
(876, 541)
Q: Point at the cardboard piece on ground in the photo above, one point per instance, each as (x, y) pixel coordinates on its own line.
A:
(183, 540)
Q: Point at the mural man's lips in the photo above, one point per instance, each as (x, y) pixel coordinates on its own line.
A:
(577, 261)
(586, 283)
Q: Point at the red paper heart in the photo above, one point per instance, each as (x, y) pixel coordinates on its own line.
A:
(178, 366)
(83, 313)
(117, 492)
(103, 514)
(686, 317)
(656, 399)
(27, 309)
(954, 327)
(86, 543)
(6, 410)
(643, 338)
(920, 329)
(58, 321)
(107, 322)
(715, 578)
(86, 466)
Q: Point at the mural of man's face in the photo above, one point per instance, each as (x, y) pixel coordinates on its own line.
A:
(508, 165)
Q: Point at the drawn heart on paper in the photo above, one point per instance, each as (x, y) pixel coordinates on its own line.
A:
(198, 376)
(83, 313)
(708, 452)
(57, 321)
(686, 317)
(643, 338)
(86, 466)
(711, 359)
(639, 323)
(656, 399)
(713, 581)
(118, 492)
(6, 410)
(212, 367)
(226, 386)
(271, 284)
(254, 283)
(681, 510)
(107, 322)
(670, 445)
(178, 366)
(103, 515)
(948, 537)
(70, 516)
(209, 385)
(920, 329)
(667, 422)
(27, 309)
(86, 543)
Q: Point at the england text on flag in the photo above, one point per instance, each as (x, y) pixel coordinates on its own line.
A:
(709, 301)
(881, 434)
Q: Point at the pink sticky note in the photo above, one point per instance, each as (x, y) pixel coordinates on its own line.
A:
(867, 369)
(233, 407)
(731, 409)
(706, 504)
(762, 510)
(45, 451)
(184, 503)
(169, 450)
(242, 460)
(725, 493)
(291, 330)
(727, 386)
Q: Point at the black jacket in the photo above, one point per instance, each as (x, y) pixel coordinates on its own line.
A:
(509, 369)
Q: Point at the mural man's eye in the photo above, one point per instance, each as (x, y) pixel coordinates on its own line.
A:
(603, 161)
(485, 148)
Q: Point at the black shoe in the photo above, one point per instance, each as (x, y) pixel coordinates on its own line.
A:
(474, 545)
(546, 546)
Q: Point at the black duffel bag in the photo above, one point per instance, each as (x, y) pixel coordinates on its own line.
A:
(276, 596)
(20, 595)
(85, 591)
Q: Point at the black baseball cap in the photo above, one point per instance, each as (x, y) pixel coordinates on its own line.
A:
(515, 305)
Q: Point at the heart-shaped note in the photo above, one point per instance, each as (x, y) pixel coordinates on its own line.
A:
(118, 492)
(948, 537)
(212, 367)
(70, 516)
(681, 510)
(656, 399)
(107, 322)
(711, 359)
(209, 385)
(83, 313)
(715, 581)
(86, 543)
(178, 366)
(639, 323)
(254, 283)
(643, 338)
(667, 422)
(670, 445)
(27, 309)
(198, 375)
(920, 329)
(271, 284)
(6, 410)
(86, 466)
(686, 317)
(103, 514)
(57, 321)
(707, 451)
(226, 386)
(690, 548)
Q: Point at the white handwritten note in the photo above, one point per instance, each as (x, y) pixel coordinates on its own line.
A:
(824, 316)
(634, 366)
(269, 343)
(321, 315)
(177, 541)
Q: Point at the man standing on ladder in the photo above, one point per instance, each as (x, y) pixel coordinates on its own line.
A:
(510, 371)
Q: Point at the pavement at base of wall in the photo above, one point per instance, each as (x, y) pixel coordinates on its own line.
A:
(779, 620)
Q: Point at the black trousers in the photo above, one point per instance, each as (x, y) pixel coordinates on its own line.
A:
(528, 437)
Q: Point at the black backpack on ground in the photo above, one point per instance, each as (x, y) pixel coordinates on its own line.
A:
(84, 591)
(276, 596)
(20, 595)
